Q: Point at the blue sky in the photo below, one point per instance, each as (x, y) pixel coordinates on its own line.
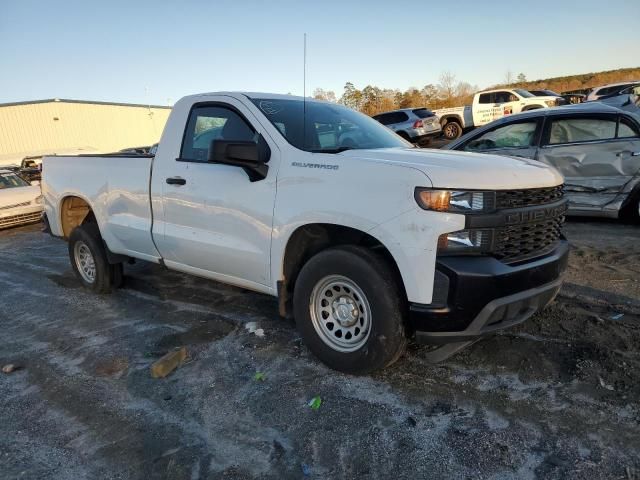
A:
(145, 51)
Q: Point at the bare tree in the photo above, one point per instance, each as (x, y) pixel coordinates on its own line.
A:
(508, 77)
(447, 86)
(327, 95)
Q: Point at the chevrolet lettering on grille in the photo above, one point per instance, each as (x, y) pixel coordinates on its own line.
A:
(537, 215)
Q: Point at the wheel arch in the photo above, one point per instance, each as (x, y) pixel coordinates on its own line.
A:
(311, 238)
(451, 117)
(73, 210)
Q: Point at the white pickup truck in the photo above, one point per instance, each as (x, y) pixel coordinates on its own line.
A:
(488, 106)
(365, 240)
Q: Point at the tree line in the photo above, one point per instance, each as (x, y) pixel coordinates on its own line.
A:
(451, 92)
(448, 92)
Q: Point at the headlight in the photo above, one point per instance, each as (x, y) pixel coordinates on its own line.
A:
(455, 201)
(465, 241)
(39, 200)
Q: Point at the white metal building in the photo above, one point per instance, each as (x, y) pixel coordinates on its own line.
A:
(75, 126)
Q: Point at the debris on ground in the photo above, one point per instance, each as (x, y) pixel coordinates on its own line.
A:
(167, 364)
(112, 367)
(252, 327)
(10, 368)
(259, 377)
(604, 385)
(617, 316)
(306, 469)
(315, 403)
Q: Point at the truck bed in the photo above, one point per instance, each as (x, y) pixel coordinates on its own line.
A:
(117, 187)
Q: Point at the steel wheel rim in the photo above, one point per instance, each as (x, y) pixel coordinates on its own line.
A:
(340, 313)
(450, 131)
(84, 262)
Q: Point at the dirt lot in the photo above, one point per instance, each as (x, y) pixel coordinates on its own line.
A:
(554, 398)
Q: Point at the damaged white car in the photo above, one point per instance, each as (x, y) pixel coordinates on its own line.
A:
(20, 202)
(594, 146)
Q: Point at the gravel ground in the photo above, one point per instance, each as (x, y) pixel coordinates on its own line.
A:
(554, 398)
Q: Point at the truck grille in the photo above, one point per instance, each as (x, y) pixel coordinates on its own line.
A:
(528, 197)
(20, 219)
(519, 242)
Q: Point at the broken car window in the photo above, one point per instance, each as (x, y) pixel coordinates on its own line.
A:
(514, 135)
(571, 130)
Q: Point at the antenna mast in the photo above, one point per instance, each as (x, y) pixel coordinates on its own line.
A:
(304, 91)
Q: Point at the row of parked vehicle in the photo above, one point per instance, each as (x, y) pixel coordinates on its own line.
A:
(595, 145)
(420, 125)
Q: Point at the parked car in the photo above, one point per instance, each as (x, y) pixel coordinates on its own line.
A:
(30, 168)
(563, 98)
(609, 90)
(417, 125)
(596, 147)
(363, 238)
(628, 99)
(488, 106)
(135, 150)
(20, 203)
(549, 93)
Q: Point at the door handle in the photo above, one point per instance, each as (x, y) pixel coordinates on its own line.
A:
(176, 181)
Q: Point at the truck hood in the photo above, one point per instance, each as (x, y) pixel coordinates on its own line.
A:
(463, 170)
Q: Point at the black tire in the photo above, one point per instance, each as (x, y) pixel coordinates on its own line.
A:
(630, 213)
(451, 130)
(105, 275)
(386, 340)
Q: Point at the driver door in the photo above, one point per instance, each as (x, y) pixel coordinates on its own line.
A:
(215, 221)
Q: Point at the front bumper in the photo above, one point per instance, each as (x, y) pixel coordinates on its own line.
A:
(475, 296)
(20, 216)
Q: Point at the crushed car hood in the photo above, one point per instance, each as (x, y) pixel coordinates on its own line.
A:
(449, 169)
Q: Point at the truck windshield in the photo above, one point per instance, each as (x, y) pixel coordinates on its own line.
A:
(326, 127)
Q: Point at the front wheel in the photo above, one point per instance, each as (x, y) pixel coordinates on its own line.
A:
(89, 260)
(451, 130)
(349, 310)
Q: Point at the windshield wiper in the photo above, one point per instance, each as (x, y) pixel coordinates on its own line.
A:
(331, 150)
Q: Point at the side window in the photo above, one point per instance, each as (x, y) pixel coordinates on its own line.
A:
(209, 123)
(503, 97)
(514, 135)
(485, 98)
(626, 129)
(570, 130)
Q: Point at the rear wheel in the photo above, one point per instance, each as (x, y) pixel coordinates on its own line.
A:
(89, 260)
(451, 130)
(349, 310)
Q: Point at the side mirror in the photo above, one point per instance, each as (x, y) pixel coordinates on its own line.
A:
(251, 156)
